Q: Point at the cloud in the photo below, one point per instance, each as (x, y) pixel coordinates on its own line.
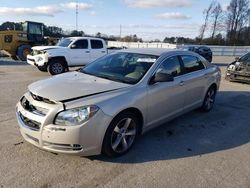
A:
(92, 13)
(49, 11)
(157, 3)
(173, 15)
(81, 6)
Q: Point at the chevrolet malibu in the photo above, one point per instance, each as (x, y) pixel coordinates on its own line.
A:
(105, 106)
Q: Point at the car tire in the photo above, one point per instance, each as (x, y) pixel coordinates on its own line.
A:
(23, 51)
(42, 68)
(209, 99)
(56, 66)
(120, 135)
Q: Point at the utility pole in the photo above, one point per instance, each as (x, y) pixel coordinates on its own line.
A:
(77, 15)
(120, 32)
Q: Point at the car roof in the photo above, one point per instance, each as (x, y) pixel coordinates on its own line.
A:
(76, 38)
(148, 51)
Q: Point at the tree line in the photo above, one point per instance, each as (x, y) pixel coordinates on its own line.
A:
(230, 26)
(221, 26)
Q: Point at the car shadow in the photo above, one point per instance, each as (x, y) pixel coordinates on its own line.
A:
(195, 133)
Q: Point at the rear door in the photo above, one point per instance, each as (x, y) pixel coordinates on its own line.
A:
(98, 49)
(79, 52)
(166, 99)
(194, 80)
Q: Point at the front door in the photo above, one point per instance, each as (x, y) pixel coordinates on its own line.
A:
(166, 99)
(79, 52)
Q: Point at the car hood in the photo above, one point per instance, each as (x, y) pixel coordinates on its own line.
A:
(41, 48)
(73, 85)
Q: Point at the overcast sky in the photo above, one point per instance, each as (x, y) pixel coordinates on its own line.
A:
(149, 19)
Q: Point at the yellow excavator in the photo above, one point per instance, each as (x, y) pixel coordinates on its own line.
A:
(17, 44)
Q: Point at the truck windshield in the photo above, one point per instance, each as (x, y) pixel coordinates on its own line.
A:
(121, 67)
(64, 42)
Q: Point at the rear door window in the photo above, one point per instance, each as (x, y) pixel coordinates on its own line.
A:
(171, 66)
(191, 63)
(96, 44)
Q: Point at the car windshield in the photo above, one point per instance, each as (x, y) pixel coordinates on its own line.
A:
(121, 67)
(246, 57)
(64, 42)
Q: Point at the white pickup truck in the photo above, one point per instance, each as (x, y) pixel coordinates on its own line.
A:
(69, 52)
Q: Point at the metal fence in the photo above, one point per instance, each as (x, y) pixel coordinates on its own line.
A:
(217, 50)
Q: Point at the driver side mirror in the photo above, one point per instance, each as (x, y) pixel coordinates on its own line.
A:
(161, 77)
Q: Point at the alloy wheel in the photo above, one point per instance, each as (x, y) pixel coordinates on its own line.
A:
(57, 68)
(123, 135)
(210, 99)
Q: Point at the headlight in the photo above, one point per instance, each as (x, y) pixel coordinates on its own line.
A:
(39, 59)
(76, 116)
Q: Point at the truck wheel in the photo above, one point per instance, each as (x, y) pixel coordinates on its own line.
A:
(42, 68)
(23, 51)
(56, 66)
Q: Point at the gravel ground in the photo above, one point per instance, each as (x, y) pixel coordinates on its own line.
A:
(194, 150)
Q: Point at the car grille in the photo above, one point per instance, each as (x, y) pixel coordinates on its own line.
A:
(33, 109)
(30, 123)
(36, 52)
(31, 60)
(38, 98)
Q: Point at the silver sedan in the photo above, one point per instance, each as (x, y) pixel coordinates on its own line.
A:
(106, 105)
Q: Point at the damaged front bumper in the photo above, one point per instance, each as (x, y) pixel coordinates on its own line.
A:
(238, 72)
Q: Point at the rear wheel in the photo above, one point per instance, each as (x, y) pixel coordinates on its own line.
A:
(208, 102)
(23, 51)
(121, 134)
(57, 66)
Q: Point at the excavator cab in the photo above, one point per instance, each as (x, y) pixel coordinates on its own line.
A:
(34, 32)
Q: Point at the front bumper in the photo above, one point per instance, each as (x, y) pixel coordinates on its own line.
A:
(83, 140)
(37, 60)
(237, 76)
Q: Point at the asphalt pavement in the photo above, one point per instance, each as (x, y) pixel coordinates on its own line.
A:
(195, 150)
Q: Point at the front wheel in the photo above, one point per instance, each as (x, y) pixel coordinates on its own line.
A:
(56, 67)
(208, 102)
(121, 135)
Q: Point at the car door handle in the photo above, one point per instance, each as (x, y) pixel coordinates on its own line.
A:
(87, 51)
(182, 83)
(103, 51)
